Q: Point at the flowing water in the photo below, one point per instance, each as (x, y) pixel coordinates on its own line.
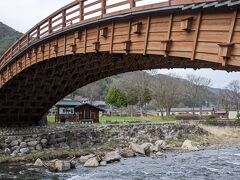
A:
(223, 163)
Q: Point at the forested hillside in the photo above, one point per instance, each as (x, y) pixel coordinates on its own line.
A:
(7, 37)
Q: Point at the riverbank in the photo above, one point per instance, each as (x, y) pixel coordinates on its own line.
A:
(76, 141)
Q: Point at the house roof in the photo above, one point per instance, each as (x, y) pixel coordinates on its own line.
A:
(99, 103)
(87, 104)
(68, 102)
(190, 109)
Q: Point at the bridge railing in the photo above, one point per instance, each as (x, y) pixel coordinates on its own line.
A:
(82, 11)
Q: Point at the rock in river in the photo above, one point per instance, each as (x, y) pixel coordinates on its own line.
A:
(137, 148)
(58, 165)
(62, 165)
(187, 145)
(84, 159)
(92, 162)
(38, 163)
(112, 156)
(126, 152)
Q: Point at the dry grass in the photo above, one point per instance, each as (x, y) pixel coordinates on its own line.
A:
(224, 134)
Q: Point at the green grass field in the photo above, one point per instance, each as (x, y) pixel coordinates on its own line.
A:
(118, 119)
(51, 119)
(127, 119)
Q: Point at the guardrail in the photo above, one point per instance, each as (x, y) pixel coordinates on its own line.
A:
(81, 11)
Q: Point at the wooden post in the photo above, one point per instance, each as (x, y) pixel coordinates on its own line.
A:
(49, 26)
(63, 18)
(112, 37)
(103, 7)
(132, 4)
(225, 49)
(147, 35)
(38, 32)
(81, 10)
(197, 30)
(28, 38)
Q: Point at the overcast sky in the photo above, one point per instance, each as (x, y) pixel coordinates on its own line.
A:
(24, 14)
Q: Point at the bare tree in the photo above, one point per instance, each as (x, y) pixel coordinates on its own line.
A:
(165, 92)
(224, 99)
(196, 89)
(92, 91)
(233, 94)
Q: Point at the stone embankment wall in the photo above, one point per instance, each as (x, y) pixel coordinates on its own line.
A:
(76, 136)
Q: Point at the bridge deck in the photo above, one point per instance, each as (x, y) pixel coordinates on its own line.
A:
(81, 12)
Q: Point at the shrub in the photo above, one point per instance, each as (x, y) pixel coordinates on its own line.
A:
(238, 116)
(211, 117)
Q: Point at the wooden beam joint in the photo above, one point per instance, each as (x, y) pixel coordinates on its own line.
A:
(104, 32)
(96, 46)
(186, 24)
(127, 45)
(225, 50)
(137, 28)
(166, 46)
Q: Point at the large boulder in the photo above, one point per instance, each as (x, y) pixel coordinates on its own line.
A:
(154, 148)
(62, 165)
(137, 149)
(103, 163)
(161, 144)
(92, 162)
(126, 152)
(58, 165)
(84, 159)
(146, 147)
(50, 165)
(38, 163)
(73, 163)
(187, 145)
(112, 156)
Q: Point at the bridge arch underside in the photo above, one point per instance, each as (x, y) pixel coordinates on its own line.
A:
(31, 93)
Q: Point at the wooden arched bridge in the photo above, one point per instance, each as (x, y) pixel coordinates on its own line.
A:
(88, 40)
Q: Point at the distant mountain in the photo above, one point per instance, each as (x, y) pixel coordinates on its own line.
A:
(99, 89)
(215, 90)
(7, 37)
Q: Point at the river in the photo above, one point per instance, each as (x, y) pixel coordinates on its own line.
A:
(217, 163)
